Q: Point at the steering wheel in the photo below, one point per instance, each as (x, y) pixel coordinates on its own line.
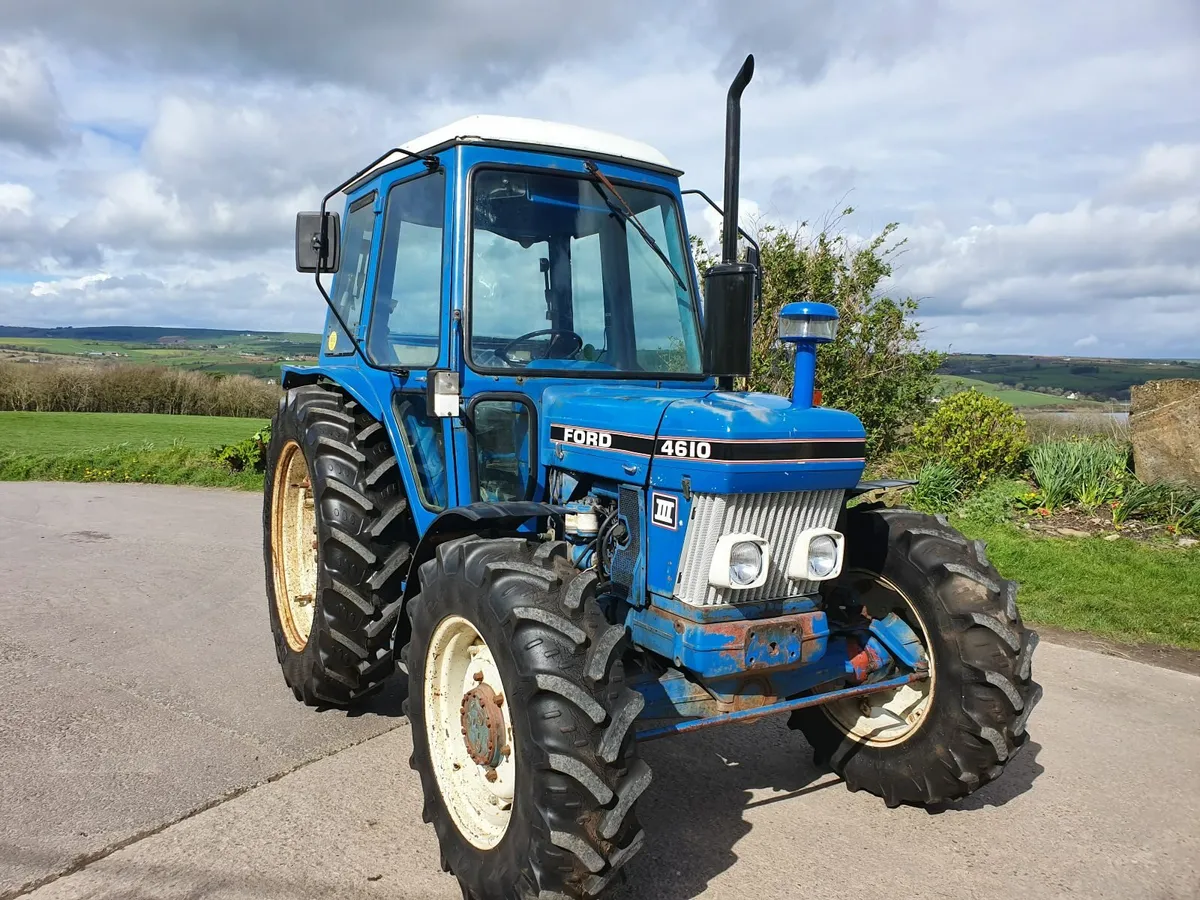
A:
(525, 338)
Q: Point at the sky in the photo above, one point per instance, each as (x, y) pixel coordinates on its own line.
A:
(1042, 160)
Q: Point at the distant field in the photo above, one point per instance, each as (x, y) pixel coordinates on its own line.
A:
(1016, 398)
(254, 354)
(51, 433)
(1110, 378)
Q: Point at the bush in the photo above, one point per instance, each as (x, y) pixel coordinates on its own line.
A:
(979, 435)
(1090, 473)
(995, 503)
(1176, 507)
(939, 487)
(877, 368)
(249, 455)
(45, 387)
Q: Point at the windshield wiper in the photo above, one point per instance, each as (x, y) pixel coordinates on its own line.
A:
(627, 215)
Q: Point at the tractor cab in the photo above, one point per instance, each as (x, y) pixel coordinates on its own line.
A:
(521, 474)
(535, 281)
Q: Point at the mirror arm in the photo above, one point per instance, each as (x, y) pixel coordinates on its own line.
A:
(749, 240)
(742, 231)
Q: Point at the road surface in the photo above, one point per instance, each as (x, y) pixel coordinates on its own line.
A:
(150, 751)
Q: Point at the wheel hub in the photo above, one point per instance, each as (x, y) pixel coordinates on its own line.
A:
(483, 726)
(470, 738)
(294, 546)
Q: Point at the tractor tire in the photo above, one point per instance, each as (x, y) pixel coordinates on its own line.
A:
(980, 692)
(337, 539)
(574, 776)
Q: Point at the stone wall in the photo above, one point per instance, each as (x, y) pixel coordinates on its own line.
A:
(1165, 425)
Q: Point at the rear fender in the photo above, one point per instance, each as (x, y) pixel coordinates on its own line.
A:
(366, 389)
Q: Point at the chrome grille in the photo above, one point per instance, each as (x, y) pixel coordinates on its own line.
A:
(778, 518)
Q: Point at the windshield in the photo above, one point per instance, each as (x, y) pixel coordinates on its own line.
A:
(562, 282)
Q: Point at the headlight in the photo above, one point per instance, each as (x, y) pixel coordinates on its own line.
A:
(740, 561)
(817, 555)
(745, 563)
(822, 556)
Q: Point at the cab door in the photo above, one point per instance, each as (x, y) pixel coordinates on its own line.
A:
(405, 330)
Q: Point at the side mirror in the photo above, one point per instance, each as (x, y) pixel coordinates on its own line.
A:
(318, 243)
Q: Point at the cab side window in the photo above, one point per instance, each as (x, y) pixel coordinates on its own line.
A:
(406, 311)
(351, 282)
(502, 437)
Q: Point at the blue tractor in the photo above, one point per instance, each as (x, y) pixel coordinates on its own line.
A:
(520, 473)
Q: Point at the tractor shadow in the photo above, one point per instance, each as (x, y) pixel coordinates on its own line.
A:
(695, 812)
(388, 703)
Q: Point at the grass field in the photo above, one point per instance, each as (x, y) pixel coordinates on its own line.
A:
(52, 433)
(122, 447)
(1021, 399)
(1124, 590)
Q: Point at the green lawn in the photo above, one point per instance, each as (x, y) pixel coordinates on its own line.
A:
(1012, 397)
(1124, 590)
(48, 432)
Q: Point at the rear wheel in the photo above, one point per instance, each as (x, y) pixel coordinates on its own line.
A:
(942, 738)
(336, 546)
(522, 722)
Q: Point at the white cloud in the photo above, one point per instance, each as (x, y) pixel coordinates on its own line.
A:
(17, 198)
(1090, 341)
(31, 114)
(1041, 159)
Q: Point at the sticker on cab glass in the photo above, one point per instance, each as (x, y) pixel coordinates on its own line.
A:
(331, 342)
(664, 510)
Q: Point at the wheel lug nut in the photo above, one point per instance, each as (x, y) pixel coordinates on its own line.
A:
(499, 699)
(490, 774)
(478, 676)
(505, 750)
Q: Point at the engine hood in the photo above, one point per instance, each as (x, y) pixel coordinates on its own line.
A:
(717, 441)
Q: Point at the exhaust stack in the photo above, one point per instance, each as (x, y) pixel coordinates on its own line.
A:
(729, 285)
(733, 159)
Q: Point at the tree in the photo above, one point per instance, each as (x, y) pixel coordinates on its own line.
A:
(877, 368)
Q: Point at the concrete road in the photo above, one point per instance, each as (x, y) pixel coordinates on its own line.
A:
(148, 750)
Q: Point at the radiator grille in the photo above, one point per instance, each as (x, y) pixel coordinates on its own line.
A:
(777, 517)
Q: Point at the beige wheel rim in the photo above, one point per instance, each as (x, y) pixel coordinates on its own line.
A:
(294, 546)
(479, 796)
(887, 718)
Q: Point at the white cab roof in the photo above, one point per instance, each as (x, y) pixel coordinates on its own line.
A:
(534, 132)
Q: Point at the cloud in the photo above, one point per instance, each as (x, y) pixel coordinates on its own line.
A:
(404, 48)
(1164, 171)
(31, 113)
(1105, 274)
(1041, 158)
(804, 38)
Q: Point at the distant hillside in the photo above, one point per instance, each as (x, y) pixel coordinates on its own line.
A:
(257, 353)
(1088, 378)
(136, 334)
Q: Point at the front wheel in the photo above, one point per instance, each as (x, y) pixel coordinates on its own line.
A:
(942, 738)
(522, 722)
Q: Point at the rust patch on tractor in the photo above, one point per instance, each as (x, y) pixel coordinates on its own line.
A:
(483, 726)
(864, 660)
